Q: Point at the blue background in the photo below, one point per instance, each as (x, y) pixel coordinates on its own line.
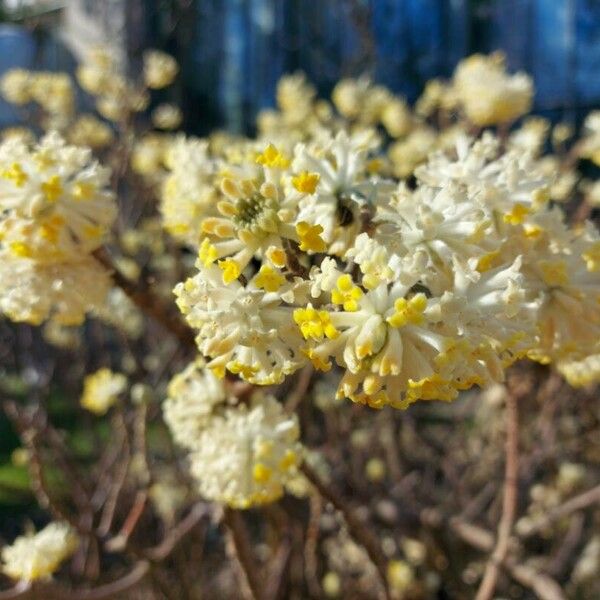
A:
(233, 52)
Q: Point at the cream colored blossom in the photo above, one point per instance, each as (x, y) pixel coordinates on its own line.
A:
(15, 86)
(38, 556)
(160, 69)
(193, 397)
(55, 199)
(247, 454)
(166, 116)
(101, 390)
(63, 292)
(488, 94)
(90, 131)
(189, 193)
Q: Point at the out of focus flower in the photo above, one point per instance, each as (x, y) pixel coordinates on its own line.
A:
(148, 155)
(101, 390)
(160, 69)
(63, 292)
(38, 556)
(15, 86)
(90, 131)
(488, 94)
(166, 116)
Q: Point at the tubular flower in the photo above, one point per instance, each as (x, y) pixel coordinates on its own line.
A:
(188, 193)
(343, 190)
(402, 290)
(247, 330)
(257, 218)
(247, 454)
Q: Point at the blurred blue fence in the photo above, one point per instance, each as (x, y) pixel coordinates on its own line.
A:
(233, 51)
(241, 47)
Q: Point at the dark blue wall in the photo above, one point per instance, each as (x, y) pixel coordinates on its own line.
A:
(233, 51)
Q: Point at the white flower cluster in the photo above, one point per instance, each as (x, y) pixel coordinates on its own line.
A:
(55, 210)
(240, 454)
(38, 556)
(414, 292)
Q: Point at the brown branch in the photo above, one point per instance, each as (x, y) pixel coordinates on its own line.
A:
(115, 589)
(110, 505)
(299, 391)
(176, 534)
(278, 571)
(310, 546)
(543, 586)
(509, 502)
(147, 302)
(28, 434)
(356, 527)
(575, 504)
(243, 551)
(119, 541)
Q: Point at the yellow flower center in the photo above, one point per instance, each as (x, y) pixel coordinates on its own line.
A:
(315, 324)
(346, 293)
(231, 270)
(52, 189)
(16, 174)
(408, 311)
(269, 279)
(271, 157)
(306, 182)
(554, 272)
(310, 237)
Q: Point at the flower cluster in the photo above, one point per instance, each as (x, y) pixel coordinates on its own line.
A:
(241, 455)
(38, 556)
(101, 390)
(310, 253)
(55, 211)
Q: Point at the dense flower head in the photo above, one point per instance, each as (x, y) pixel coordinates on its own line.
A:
(409, 290)
(34, 292)
(488, 94)
(54, 199)
(38, 556)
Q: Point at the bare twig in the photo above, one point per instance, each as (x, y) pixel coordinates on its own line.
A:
(310, 546)
(509, 502)
(115, 589)
(176, 534)
(299, 391)
(356, 527)
(147, 302)
(575, 504)
(22, 591)
(119, 542)
(243, 551)
(544, 586)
